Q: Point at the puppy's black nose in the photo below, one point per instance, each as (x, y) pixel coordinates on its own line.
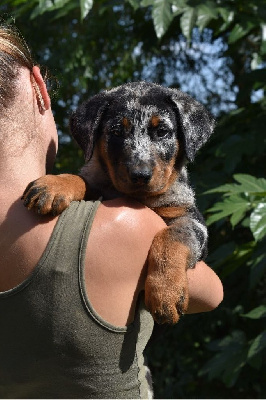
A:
(142, 175)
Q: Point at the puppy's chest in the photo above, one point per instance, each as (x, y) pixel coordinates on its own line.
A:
(178, 194)
(174, 203)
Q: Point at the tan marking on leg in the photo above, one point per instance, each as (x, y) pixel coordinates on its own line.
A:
(170, 212)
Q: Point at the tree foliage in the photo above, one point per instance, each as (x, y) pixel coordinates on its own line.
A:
(216, 51)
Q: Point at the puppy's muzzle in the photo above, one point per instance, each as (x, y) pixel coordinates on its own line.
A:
(141, 175)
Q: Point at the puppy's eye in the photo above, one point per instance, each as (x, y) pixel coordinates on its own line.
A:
(162, 132)
(117, 133)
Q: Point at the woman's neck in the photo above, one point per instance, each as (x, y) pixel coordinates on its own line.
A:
(17, 172)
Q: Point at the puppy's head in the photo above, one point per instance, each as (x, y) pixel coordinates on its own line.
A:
(141, 133)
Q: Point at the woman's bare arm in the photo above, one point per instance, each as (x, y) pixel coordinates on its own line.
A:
(205, 289)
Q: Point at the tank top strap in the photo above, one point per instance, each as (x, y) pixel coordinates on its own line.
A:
(72, 227)
(76, 219)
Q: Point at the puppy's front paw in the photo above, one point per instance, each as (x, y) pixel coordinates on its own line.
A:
(52, 194)
(166, 300)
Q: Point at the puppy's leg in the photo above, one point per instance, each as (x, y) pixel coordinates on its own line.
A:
(52, 194)
(166, 288)
(173, 250)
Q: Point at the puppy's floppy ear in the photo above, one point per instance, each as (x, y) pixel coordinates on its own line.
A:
(85, 121)
(196, 122)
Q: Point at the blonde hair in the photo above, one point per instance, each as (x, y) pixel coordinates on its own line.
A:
(14, 54)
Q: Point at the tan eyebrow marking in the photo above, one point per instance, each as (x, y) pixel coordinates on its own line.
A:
(155, 120)
(126, 123)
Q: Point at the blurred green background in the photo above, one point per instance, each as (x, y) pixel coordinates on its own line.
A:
(215, 51)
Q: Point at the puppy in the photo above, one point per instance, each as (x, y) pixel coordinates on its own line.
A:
(137, 139)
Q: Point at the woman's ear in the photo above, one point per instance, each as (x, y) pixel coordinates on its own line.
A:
(39, 85)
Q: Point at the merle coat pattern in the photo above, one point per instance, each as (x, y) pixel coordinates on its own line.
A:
(137, 139)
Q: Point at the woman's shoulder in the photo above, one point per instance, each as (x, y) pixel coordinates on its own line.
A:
(119, 242)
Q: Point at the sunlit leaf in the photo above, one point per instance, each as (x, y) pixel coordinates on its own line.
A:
(227, 14)
(146, 3)
(85, 6)
(187, 22)
(235, 204)
(162, 16)
(134, 3)
(48, 5)
(258, 221)
(250, 183)
(205, 13)
(237, 216)
(178, 6)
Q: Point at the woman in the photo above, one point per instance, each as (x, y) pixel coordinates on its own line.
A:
(73, 322)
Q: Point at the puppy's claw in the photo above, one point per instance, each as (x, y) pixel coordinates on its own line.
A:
(59, 204)
(166, 303)
(167, 314)
(42, 197)
(27, 189)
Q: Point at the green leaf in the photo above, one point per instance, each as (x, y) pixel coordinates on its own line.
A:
(237, 216)
(43, 7)
(206, 12)
(52, 4)
(162, 16)
(228, 17)
(240, 256)
(178, 6)
(263, 48)
(85, 6)
(258, 221)
(227, 188)
(226, 14)
(48, 5)
(258, 344)
(248, 183)
(236, 205)
(187, 22)
(239, 31)
(202, 21)
(256, 313)
(251, 184)
(147, 3)
(63, 11)
(134, 3)
(230, 359)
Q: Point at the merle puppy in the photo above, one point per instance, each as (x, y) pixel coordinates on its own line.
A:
(137, 139)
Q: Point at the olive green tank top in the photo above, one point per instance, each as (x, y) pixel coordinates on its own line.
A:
(53, 344)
